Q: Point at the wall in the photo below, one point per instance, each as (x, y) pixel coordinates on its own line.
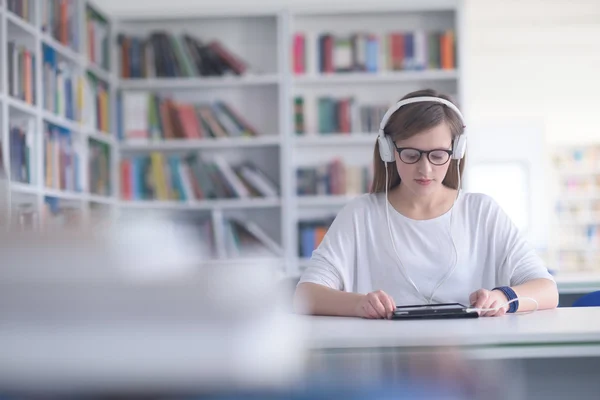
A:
(535, 59)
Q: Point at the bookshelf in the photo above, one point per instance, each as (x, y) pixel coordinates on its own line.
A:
(340, 107)
(575, 245)
(49, 115)
(107, 56)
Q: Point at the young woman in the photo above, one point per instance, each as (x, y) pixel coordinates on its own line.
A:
(417, 239)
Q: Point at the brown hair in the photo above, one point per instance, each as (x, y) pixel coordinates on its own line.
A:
(410, 120)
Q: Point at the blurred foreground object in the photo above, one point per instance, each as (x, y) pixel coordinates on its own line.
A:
(134, 309)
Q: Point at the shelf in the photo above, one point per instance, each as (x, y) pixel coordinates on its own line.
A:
(326, 200)
(579, 221)
(61, 121)
(204, 204)
(198, 83)
(64, 194)
(336, 139)
(94, 198)
(60, 48)
(21, 23)
(578, 282)
(376, 77)
(21, 106)
(102, 137)
(24, 188)
(581, 248)
(99, 72)
(585, 196)
(579, 171)
(187, 144)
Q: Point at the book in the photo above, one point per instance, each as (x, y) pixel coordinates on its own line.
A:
(165, 55)
(149, 116)
(360, 51)
(191, 177)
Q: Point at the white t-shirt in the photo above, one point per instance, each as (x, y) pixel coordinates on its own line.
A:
(356, 254)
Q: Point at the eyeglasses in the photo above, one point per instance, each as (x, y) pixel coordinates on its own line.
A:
(409, 155)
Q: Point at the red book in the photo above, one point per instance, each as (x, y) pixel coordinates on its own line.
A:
(299, 53)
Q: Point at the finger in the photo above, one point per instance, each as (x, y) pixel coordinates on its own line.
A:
(501, 310)
(473, 298)
(388, 303)
(489, 306)
(393, 304)
(482, 299)
(378, 306)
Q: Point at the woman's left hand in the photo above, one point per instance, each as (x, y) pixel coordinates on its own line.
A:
(484, 298)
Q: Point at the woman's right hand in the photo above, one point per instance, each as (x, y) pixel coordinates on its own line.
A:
(376, 305)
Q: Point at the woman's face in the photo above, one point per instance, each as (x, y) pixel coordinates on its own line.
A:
(425, 176)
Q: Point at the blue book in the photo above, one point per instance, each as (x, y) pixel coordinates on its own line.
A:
(409, 51)
(135, 172)
(176, 178)
(372, 54)
(307, 240)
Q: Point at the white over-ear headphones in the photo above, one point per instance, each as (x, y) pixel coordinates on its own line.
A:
(386, 144)
(386, 152)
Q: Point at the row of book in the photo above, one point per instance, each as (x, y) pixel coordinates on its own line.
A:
(99, 168)
(97, 92)
(71, 95)
(336, 115)
(310, 235)
(367, 52)
(150, 116)
(578, 158)
(59, 20)
(63, 87)
(59, 215)
(55, 215)
(229, 237)
(188, 178)
(21, 149)
(21, 73)
(333, 178)
(61, 160)
(161, 54)
(23, 8)
(98, 39)
(244, 238)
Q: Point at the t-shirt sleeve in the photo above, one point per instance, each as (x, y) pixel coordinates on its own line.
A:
(332, 262)
(518, 261)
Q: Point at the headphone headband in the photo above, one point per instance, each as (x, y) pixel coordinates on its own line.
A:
(386, 146)
(420, 99)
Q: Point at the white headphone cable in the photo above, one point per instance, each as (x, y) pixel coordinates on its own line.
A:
(451, 271)
(387, 212)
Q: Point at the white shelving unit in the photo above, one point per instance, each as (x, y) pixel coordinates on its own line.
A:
(575, 246)
(33, 37)
(264, 95)
(384, 87)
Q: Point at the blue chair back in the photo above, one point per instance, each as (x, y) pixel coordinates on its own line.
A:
(588, 300)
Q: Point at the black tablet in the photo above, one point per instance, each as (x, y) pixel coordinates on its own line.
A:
(434, 311)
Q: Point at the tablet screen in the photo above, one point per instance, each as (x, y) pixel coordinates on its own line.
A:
(430, 307)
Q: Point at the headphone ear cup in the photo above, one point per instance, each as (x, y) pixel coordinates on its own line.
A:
(386, 148)
(459, 147)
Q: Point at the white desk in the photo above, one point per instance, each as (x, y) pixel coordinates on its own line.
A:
(562, 332)
(547, 354)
